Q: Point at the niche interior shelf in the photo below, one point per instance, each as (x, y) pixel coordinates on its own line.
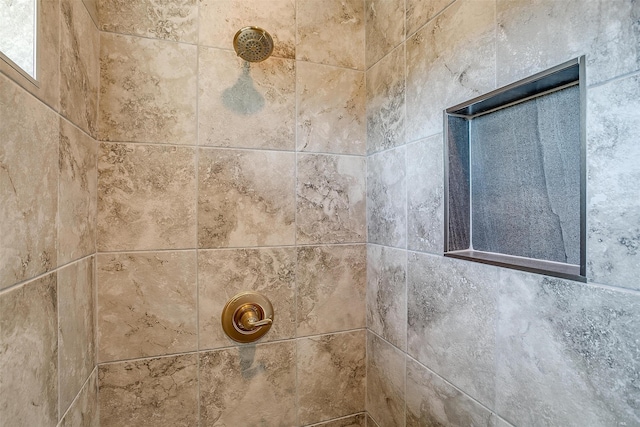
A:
(515, 180)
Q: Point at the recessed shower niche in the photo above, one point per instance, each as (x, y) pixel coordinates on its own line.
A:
(515, 175)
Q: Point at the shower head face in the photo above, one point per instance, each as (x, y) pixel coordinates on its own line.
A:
(253, 44)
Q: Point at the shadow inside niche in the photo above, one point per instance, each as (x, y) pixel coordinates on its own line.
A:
(242, 97)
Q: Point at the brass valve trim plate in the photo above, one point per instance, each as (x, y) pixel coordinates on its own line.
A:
(247, 317)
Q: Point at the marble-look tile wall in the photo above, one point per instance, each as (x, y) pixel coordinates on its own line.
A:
(48, 193)
(216, 176)
(452, 342)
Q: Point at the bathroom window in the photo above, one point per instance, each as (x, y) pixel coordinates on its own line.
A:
(18, 36)
(516, 181)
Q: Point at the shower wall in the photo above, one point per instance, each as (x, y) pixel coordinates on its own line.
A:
(48, 179)
(216, 177)
(452, 342)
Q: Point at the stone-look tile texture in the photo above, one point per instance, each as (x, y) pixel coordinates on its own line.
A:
(224, 273)
(176, 20)
(221, 19)
(331, 288)
(331, 205)
(84, 410)
(385, 382)
(28, 185)
(387, 294)
(353, 421)
(245, 198)
(419, 12)
(79, 71)
(613, 126)
(425, 195)
(535, 35)
(76, 329)
(331, 109)
(386, 198)
(384, 21)
(433, 402)
(146, 197)
(248, 385)
(386, 102)
(92, 6)
(29, 354)
(447, 65)
(245, 105)
(331, 32)
(150, 392)
(77, 194)
(146, 304)
(331, 376)
(452, 310)
(147, 90)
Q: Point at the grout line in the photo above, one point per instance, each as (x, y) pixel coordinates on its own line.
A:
(197, 214)
(614, 79)
(229, 248)
(77, 396)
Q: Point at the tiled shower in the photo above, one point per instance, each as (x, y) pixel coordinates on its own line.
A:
(153, 175)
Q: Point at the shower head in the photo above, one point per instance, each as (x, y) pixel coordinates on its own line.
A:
(253, 44)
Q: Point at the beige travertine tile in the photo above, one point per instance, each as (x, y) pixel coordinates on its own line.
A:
(331, 205)
(28, 185)
(384, 27)
(331, 288)
(29, 354)
(84, 410)
(419, 12)
(331, 109)
(246, 106)
(331, 376)
(358, 420)
(331, 32)
(148, 90)
(249, 385)
(79, 66)
(146, 197)
(225, 273)
(92, 8)
(77, 194)
(150, 392)
(385, 382)
(76, 328)
(246, 198)
(221, 19)
(175, 20)
(146, 304)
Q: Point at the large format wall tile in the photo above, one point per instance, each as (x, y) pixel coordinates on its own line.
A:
(425, 195)
(150, 392)
(28, 185)
(146, 197)
(147, 91)
(176, 20)
(386, 102)
(447, 65)
(29, 354)
(452, 309)
(613, 126)
(353, 421)
(248, 385)
(246, 198)
(535, 35)
(331, 199)
(385, 382)
(84, 410)
(386, 198)
(221, 19)
(331, 109)
(567, 353)
(146, 304)
(245, 105)
(433, 402)
(331, 288)
(384, 30)
(76, 328)
(79, 66)
(419, 12)
(331, 376)
(77, 194)
(225, 273)
(331, 32)
(387, 294)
